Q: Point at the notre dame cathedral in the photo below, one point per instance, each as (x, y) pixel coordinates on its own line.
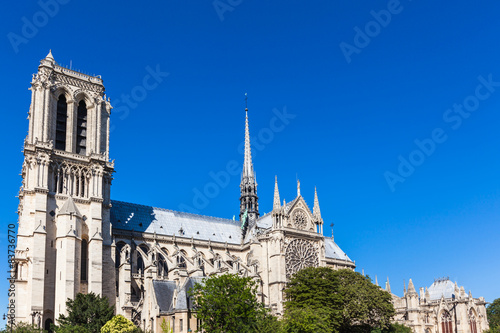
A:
(73, 238)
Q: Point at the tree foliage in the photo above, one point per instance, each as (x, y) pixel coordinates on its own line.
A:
(364, 305)
(165, 327)
(119, 324)
(352, 303)
(493, 314)
(227, 303)
(394, 328)
(87, 313)
(306, 320)
(314, 289)
(22, 328)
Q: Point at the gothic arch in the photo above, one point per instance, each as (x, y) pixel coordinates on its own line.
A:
(62, 89)
(81, 95)
(445, 321)
(162, 266)
(118, 253)
(473, 322)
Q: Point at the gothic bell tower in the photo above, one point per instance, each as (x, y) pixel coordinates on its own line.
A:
(64, 239)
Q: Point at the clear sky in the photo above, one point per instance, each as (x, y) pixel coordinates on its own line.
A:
(390, 108)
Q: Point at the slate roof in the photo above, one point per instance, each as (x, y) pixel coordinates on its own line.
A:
(333, 251)
(69, 207)
(441, 287)
(165, 291)
(140, 218)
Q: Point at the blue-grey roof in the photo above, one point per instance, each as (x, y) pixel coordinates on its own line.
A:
(333, 251)
(165, 291)
(440, 288)
(184, 301)
(265, 221)
(128, 216)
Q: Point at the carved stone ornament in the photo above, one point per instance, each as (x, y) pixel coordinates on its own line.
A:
(299, 219)
(300, 254)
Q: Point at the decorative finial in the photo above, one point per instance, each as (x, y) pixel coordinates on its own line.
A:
(49, 56)
(246, 102)
(298, 188)
(331, 226)
(276, 202)
(316, 210)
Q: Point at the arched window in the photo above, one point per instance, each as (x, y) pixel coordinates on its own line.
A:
(81, 129)
(446, 324)
(83, 268)
(181, 262)
(140, 264)
(162, 267)
(61, 118)
(118, 253)
(48, 322)
(472, 321)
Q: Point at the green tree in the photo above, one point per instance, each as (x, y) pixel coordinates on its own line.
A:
(352, 302)
(493, 314)
(364, 305)
(119, 324)
(314, 289)
(394, 328)
(306, 320)
(87, 313)
(165, 327)
(22, 328)
(227, 303)
(267, 323)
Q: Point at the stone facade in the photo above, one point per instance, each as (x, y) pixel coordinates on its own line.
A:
(73, 238)
(441, 308)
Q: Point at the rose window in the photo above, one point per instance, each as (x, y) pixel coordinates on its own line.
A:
(299, 254)
(300, 219)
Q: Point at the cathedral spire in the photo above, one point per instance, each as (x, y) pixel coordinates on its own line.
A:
(276, 202)
(316, 210)
(387, 286)
(411, 288)
(249, 202)
(247, 164)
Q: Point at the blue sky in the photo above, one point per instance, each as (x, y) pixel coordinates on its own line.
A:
(390, 108)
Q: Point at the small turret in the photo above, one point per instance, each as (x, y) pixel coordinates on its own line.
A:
(276, 201)
(317, 212)
(388, 286)
(411, 288)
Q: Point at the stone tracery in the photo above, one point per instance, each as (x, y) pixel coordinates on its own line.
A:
(299, 255)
